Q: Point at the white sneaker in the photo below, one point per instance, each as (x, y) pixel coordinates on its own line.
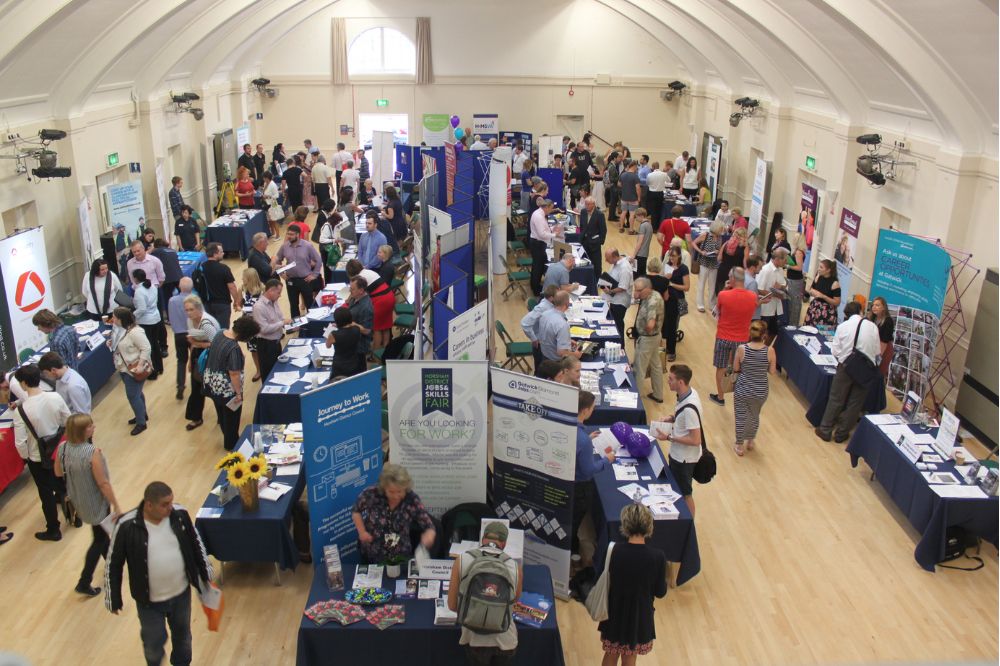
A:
(701, 308)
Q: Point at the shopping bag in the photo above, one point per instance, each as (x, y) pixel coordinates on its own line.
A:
(212, 603)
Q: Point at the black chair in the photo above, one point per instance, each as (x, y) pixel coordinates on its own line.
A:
(461, 523)
(441, 546)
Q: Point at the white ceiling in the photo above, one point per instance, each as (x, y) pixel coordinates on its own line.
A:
(857, 59)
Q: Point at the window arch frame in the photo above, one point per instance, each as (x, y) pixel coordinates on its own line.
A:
(408, 73)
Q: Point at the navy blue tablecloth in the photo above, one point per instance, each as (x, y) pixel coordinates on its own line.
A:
(417, 641)
(814, 381)
(676, 538)
(606, 415)
(258, 536)
(930, 514)
(238, 238)
(96, 366)
(282, 407)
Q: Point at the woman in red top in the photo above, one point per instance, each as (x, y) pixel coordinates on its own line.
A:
(301, 213)
(244, 188)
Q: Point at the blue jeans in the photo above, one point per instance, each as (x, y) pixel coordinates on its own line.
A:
(133, 391)
(177, 613)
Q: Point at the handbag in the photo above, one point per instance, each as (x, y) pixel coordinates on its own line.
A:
(139, 370)
(706, 468)
(47, 446)
(859, 367)
(597, 599)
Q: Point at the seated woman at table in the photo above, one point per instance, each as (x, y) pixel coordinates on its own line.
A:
(636, 574)
(385, 514)
(383, 300)
(367, 195)
(886, 332)
(825, 294)
(100, 286)
(347, 360)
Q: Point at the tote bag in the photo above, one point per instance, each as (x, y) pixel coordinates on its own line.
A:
(597, 600)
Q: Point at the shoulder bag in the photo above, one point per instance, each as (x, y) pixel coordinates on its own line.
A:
(139, 369)
(47, 446)
(706, 467)
(597, 599)
(858, 366)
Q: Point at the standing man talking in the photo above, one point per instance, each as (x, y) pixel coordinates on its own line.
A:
(165, 557)
(593, 232)
(267, 313)
(648, 324)
(302, 278)
(540, 236)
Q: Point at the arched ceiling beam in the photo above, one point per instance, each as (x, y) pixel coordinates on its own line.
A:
(23, 24)
(237, 39)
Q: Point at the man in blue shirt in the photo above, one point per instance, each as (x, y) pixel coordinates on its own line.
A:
(553, 331)
(558, 273)
(587, 465)
(62, 338)
(529, 323)
(370, 242)
(70, 384)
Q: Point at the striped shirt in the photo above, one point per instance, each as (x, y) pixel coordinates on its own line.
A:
(76, 460)
(751, 382)
(63, 340)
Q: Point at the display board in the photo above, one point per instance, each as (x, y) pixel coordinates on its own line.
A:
(534, 464)
(24, 269)
(847, 241)
(436, 129)
(342, 453)
(409, 162)
(511, 138)
(712, 159)
(126, 209)
(382, 158)
(468, 334)
(438, 429)
(161, 193)
(757, 201)
(439, 223)
(808, 207)
(486, 125)
(549, 145)
(554, 179)
(85, 218)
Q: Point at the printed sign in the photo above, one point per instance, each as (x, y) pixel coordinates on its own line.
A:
(126, 209)
(486, 126)
(24, 268)
(468, 334)
(437, 128)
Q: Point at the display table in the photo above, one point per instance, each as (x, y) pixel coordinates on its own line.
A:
(258, 536)
(676, 538)
(929, 513)
(814, 380)
(314, 327)
(96, 366)
(593, 315)
(237, 236)
(10, 460)
(190, 260)
(604, 414)
(583, 275)
(417, 641)
(282, 407)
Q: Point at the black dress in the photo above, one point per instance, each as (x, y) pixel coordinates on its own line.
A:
(637, 574)
(347, 359)
(728, 262)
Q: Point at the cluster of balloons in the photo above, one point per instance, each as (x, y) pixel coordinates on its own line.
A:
(455, 122)
(637, 444)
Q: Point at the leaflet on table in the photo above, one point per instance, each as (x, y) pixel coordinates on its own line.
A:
(299, 351)
(406, 588)
(809, 329)
(367, 575)
(443, 616)
(315, 378)
(285, 378)
(625, 472)
(429, 589)
(295, 342)
(823, 359)
(662, 509)
(604, 441)
(909, 449)
(203, 512)
(284, 268)
(300, 362)
(894, 432)
(884, 419)
(940, 478)
(296, 323)
(288, 470)
(946, 434)
(531, 609)
(274, 491)
(633, 491)
(959, 491)
(274, 389)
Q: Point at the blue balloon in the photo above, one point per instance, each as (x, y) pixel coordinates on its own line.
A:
(459, 132)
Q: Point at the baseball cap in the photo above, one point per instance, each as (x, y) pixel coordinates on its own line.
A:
(496, 530)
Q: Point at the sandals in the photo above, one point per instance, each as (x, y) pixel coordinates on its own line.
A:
(194, 424)
(4, 538)
(739, 449)
(256, 378)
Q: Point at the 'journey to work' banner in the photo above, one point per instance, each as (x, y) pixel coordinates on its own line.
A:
(342, 452)
(534, 464)
(438, 429)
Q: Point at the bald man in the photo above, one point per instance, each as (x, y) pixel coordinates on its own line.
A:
(179, 325)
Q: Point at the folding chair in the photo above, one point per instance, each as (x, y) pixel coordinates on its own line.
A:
(517, 352)
(516, 280)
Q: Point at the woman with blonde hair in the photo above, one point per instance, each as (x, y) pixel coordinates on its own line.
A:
(795, 278)
(252, 288)
(636, 574)
(89, 485)
(708, 245)
(385, 514)
(753, 361)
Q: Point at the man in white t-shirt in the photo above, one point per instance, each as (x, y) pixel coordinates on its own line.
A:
(770, 285)
(656, 183)
(686, 436)
(350, 177)
(681, 160)
(165, 557)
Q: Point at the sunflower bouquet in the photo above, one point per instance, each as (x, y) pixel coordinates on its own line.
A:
(229, 460)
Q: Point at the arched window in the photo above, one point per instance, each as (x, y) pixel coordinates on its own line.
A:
(381, 51)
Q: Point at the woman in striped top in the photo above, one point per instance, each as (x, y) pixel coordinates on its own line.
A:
(753, 361)
(88, 484)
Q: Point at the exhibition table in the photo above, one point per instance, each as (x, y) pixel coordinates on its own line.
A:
(10, 460)
(583, 275)
(814, 380)
(257, 536)
(237, 236)
(604, 414)
(273, 407)
(571, 231)
(315, 326)
(929, 513)
(96, 365)
(417, 641)
(190, 260)
(591, 313)
(676, 538)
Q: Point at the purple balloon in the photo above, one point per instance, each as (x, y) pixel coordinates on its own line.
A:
(622, 431)
(639, 445)
(455, 120)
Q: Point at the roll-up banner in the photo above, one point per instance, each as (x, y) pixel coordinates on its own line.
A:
(438, 429)
(342, 452)
(499, 204)
(757, 201)
(809, 204)
(127, 210)
(437, 128)
(847, 242)
(534, 464)
(24, 268)
(486, 126)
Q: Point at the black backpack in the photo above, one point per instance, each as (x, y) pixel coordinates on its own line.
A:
(200, 283)
(706, 468)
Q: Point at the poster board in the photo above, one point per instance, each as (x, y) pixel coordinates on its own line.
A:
(27, 288)
(164, 200)
(342, 453)
(549, 145)
(438, 429)
(499, 204)
(808, 208)
(712, 159)
(127, 211)
(468, 334)
(534, 464)
(757, 201)
(436, 128)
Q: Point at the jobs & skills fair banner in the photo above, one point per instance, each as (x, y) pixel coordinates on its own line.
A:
(342, 452)
(534, 465)
(438, 429)
(24, 268)
(910, 272)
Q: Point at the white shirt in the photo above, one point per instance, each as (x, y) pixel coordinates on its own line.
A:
(684, 423)
(47, 412)
(167, 577)
(116, 286)
(75, 392)
(350, 178)
(478, 145)
(690, 181)
(622, 272)
(770, 276)
(271, 194)
(518, 165)
(340, 159)
(540, 226)
(868, 340)
(679, 162)
(369, 275)
(656, 181)
(321, 174)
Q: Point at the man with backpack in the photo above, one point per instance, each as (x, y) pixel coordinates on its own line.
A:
(485, 583)
(686, 435)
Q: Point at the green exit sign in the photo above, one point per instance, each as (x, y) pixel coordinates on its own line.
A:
(381, 102)
(810, 162)
(113, 159)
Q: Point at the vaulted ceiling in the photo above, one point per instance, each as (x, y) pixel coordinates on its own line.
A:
(925, 61)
